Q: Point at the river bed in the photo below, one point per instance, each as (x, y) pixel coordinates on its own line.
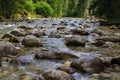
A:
(9, 72)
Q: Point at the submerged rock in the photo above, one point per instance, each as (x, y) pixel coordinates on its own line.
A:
(56, 75)
(22, 60)
(88, 64)
(54, 55)
(31, 41)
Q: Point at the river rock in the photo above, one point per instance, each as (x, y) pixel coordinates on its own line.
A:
(60, 28)
(80, 31)
(97, 31)
(39, 77)
(56, 75)
(10, 38)
(67, 69)
(38, 33)
(6, 49)
(88, 64)
(7, 35)
(24, 27)
(54, 35)
(99, 43)
(17, 32)
(54, 55)
(31, 41)
(109, 38)
(25, 76)
(35, 32)
(75, 40)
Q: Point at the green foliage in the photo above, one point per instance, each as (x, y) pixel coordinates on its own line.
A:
(29, 6)
(44, 9)
(57, 7)
(8, 8)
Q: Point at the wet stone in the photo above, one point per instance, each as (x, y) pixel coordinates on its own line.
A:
(80, 31)
(31, 41)
(54, 55)
(39, 77)
(88, 64)
(75, 40)
(16, 32)
(56, 75)
(105, 75)
(67, 69)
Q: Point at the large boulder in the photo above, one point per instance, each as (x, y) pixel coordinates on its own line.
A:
(56, 75)
(54, 55)
(31, 41)
(75, 40)
(88, 64)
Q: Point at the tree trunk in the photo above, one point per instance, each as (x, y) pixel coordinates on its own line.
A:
(87, 9)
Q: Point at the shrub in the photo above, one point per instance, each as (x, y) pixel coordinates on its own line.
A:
(29, 5)
(44, 9)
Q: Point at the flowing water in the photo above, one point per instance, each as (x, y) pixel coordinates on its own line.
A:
(8, 72)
